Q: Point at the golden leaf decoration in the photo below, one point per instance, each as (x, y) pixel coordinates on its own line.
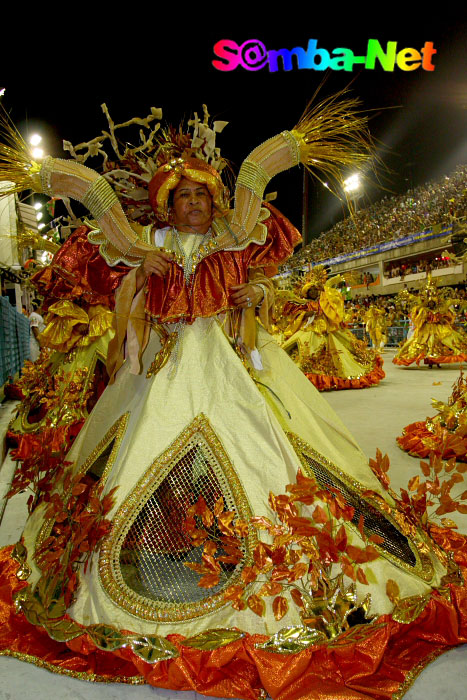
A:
(392, 591)
(213, 639)
(153, 649)
(106, 637)
(63, 630)
(291, 640)
(408, 609)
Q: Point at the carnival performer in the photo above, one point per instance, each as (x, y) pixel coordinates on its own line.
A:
(318, 340)
(445, 433)
(434, 339)
(376, 327)
(211, 478)
(59, 390)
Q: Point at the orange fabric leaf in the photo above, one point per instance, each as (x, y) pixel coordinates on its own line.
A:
(241, 528)
(425, 468)
(298, 571)
(209, 581)
(270, 588)
(341, 539)
(297, 597)
(280, 607)
(225, 522)
(256, 604)
(219, 506)
(262, 556)
(234, 592)
(249, 574)
(320, 515)
(361, 576)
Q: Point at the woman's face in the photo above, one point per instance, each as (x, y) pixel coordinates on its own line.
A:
(192, 207)
(313, 293)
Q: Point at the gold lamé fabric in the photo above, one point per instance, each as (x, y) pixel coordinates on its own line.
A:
(435, 340)
(68, 325)
(370, 661)
(79, 273)
(326, 351)
(168, 298)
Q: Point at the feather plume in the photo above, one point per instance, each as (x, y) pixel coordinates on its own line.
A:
(18, 171)
(333, 137)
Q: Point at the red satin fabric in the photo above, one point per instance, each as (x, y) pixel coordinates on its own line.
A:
(373, 667)
(78, 272)
(168, 299)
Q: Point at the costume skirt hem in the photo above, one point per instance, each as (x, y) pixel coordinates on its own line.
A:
(325, 382)
(380, 660)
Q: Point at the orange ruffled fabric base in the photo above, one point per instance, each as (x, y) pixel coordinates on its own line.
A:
(376, 666)
(441, 360)
(418, 441)
(325, 382)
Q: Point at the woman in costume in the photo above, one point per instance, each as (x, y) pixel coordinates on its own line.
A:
(444, 433)
(376, 326)
(434, 339)
(206, 423)
(319, 342)
(60, 389)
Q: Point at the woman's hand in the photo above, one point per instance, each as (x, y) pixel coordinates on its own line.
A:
(156, 262)
(246, 295)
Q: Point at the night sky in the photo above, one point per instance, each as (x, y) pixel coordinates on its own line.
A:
(56, 84)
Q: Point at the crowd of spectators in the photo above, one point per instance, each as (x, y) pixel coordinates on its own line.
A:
(413, 266)
(418, 209)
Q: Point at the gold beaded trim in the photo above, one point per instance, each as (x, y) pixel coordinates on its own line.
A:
(116, 433)
(99, 198)
(197, 433)
(46, 174)
(254, 177)
(413, 674)
(423, 567)
(293, 145)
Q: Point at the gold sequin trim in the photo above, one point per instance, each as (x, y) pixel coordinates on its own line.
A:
(46, 174)
(199, 432)
(116, 433)
(293, 145)
(99, 198)
(423, 567)
(412, 675)
(254, 177)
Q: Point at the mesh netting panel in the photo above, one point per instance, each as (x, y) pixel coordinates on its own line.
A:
(155, 548)
(375, 523)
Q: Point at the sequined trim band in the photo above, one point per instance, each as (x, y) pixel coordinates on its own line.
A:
(293, 145)
(254, 177)
(99, 198)
(46, 174)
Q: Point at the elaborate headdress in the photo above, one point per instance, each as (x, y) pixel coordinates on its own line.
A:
(169, 175)
(316, 277)
(329, 137)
